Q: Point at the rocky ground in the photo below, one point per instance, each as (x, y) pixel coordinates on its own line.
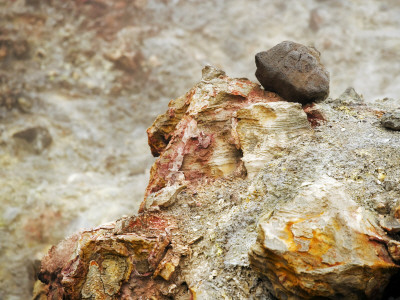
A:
(252, 197)
(80, 81)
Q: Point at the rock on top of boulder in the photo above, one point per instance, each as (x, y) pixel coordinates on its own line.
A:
(294, 71)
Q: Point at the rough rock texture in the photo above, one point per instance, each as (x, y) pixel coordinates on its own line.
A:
(322, 244)
(113, 260)
(294, 71)
(96, 74)
(222, 127)
(317, 204)
(391, 120)
(269, 129)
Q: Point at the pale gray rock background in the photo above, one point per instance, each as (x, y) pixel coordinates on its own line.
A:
(98, 73)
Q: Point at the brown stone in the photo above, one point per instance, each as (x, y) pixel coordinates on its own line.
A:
(33, 139)
(294, 72)
(211, 132)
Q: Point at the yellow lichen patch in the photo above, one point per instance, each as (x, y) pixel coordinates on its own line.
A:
(381, 176)
(346, 110)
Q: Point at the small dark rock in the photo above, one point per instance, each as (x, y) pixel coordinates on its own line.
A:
(34, 139)
(391, 120)
(293, 71)
(21, 49)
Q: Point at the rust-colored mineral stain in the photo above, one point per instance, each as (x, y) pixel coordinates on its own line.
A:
(290, 240)
(314, 116)
(93, 263)
(320, 243)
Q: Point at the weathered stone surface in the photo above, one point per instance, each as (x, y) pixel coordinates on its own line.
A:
(391, 120)
(297, 168)
(267, 130)
(113, 261)
(97, 114)
(390, 224)
(197, 137)
(322, 244)
(294, 72)
(222, 127)
(164, 197)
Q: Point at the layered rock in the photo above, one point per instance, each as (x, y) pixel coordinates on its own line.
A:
(322, 244)
(216, 127)
(232, 156)
(267, 130)
(110, 261)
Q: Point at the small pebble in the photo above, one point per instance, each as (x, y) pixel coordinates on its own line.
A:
(391, 120)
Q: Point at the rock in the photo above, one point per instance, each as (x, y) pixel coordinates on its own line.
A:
(112, 260)
(89, 122)
(21, 49)
(197, 138)
(350, 97)
(5, 48)
(24, 104)
(126, 61)
(247, 159)
(163, 198)
(267, 129)
(222, 127)
(396, 212)
(390, 224)
(394, 250)
(34, 139)
(322, 244)
(391, 120)
(294, 72)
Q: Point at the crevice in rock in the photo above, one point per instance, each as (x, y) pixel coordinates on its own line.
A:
(392, 290)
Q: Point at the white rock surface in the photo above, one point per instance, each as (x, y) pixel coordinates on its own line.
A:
(322, 244)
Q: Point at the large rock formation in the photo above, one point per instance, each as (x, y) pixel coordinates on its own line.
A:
(221, 127)
(96, 73)
(232, 156)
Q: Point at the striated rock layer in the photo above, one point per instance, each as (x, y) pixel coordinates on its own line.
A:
(251, 197)
(221, 127)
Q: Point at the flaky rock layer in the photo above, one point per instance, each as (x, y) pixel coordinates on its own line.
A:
(322, 244)
(251, 197)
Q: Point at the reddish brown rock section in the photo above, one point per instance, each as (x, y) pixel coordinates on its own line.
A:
(196, 139)
(133, 254)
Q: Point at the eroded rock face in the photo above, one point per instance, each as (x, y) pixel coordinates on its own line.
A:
(216, 127)
(391, 120)
(231, 156)
(294, 71)
(322, 244)
(268, 129)
(110, 261)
